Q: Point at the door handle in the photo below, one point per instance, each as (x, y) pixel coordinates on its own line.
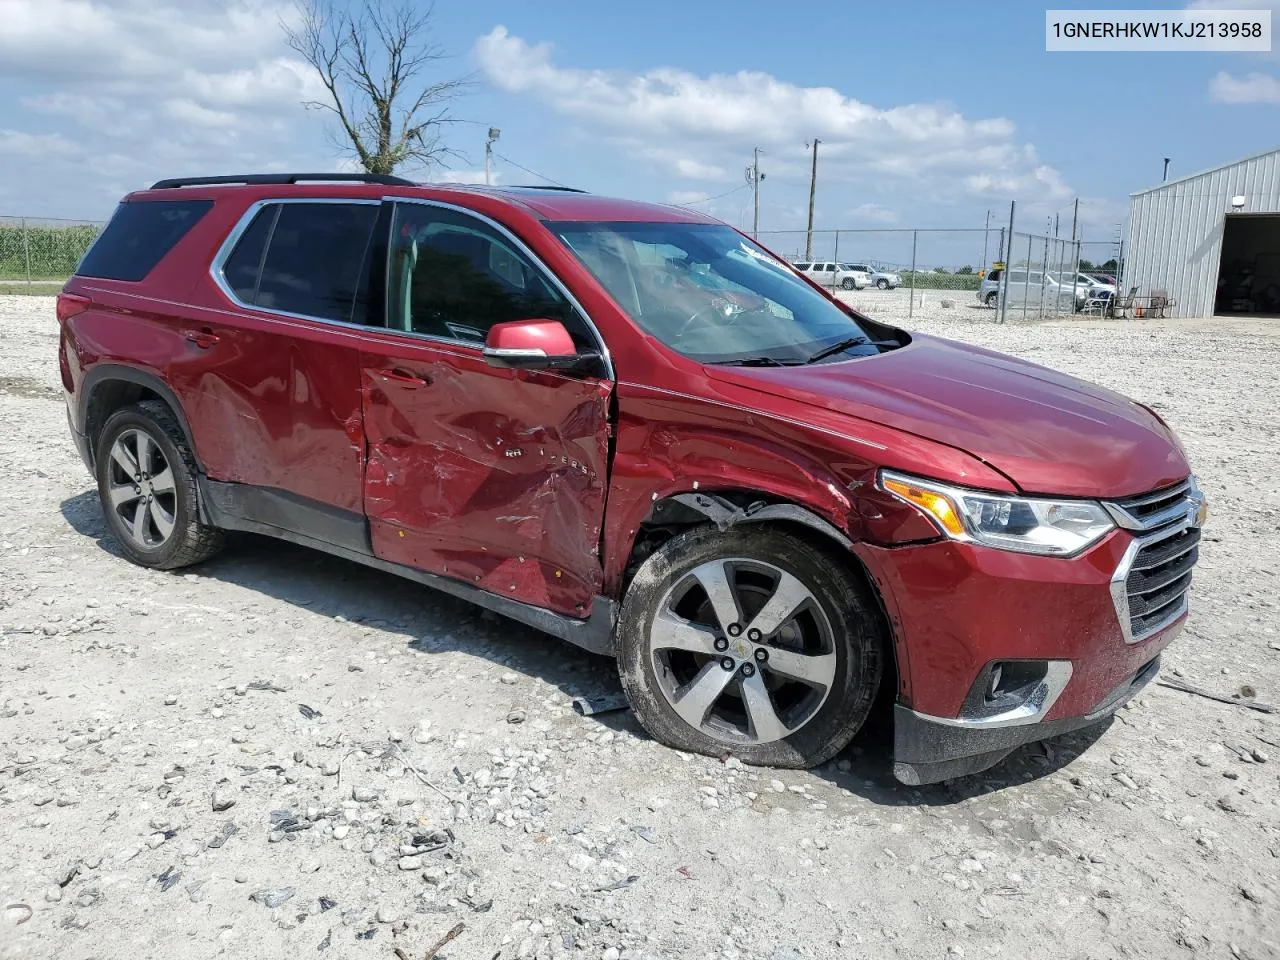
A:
(403, 377)
(204, 339)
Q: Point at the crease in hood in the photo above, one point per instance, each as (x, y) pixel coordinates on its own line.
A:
(1050, 433)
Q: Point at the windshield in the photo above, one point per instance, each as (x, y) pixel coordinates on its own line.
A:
(711, 294)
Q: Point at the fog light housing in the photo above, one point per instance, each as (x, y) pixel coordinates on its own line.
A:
(1010, 692)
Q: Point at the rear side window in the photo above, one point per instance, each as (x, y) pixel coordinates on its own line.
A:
(140, 233)
(994, 275)
(313, 262)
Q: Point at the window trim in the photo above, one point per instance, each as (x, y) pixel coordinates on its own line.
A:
(219, 278)
(523, 248)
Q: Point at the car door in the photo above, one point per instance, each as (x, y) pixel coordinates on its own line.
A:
(826, 275)
(274, 401)
(1016, 288)
(493, 476)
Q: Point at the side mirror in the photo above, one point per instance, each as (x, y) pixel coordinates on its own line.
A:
(530, 345)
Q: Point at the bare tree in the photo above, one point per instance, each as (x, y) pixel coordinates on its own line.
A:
(372, 60)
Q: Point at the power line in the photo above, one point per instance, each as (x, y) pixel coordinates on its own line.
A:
(532, 172)
(690, 203)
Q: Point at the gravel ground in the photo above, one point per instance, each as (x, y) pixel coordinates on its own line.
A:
(278, 754)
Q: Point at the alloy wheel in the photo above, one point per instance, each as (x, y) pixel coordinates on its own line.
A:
(743, 651)
(141, 489)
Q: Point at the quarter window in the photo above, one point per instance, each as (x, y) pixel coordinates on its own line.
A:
(453, 276)
(140, 233)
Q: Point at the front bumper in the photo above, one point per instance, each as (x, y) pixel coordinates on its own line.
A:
(930, 749)
(959, 610)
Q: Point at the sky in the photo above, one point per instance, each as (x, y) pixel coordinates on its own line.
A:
(930, 114)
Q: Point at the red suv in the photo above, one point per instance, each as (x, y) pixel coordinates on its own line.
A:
(634, 428)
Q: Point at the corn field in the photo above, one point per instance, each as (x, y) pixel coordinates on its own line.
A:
(43, 250)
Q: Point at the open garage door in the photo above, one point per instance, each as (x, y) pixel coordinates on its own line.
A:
(1249, 272)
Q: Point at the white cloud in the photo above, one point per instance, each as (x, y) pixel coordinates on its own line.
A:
(155, 88)
(468, 177)
(872, 213)
(1251, 88)
(696, 170)
(686, 196)
(34, 145)
(698, 119)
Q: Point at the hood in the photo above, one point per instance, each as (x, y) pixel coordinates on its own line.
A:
(1048, 432)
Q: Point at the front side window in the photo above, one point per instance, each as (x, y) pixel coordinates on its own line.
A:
(711, 294)
(453, 276)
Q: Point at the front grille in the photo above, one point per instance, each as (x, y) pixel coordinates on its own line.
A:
(1150, 587)
(1149, 504)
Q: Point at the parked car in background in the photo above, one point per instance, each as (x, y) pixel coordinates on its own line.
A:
(629, 426)
(833, 275)
(881, 279)
(1096, 285)
(1032, 288)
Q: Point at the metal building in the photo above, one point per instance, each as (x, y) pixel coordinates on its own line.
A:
(1210, 240)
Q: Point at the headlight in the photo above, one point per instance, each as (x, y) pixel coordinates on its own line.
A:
(1021, 524)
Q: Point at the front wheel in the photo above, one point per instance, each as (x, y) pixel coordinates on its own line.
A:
(882, 284)
(848, 283)
(992, 299)
(147, 485)
(752, 642)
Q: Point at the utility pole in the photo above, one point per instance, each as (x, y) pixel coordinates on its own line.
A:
(986, 231)
(1165, 176)
(813, 190)
(494, 134)
(754, 177)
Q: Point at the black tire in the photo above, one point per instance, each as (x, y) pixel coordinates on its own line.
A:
(848, 283)
(882, 284)
(993, 299)
(860, 642)
(189, 541)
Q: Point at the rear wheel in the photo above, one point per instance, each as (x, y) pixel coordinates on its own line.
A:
(992, 298)
(147, 485)
(752, 642)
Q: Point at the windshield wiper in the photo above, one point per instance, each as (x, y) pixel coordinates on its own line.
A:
(837, 348)
(753, 362)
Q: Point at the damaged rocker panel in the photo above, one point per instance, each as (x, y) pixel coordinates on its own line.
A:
(233, 506)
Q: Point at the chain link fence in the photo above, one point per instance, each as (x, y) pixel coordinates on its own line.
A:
(1040, 276)
(44, 250)
(915, 260)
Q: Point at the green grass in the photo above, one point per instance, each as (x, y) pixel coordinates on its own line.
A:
(33, 289)
(942, 281)
(43, 253)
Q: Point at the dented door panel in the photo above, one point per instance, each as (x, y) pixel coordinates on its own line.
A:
(495, 477)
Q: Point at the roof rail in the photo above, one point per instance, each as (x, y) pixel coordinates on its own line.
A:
(262, 179)
(540, 186)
